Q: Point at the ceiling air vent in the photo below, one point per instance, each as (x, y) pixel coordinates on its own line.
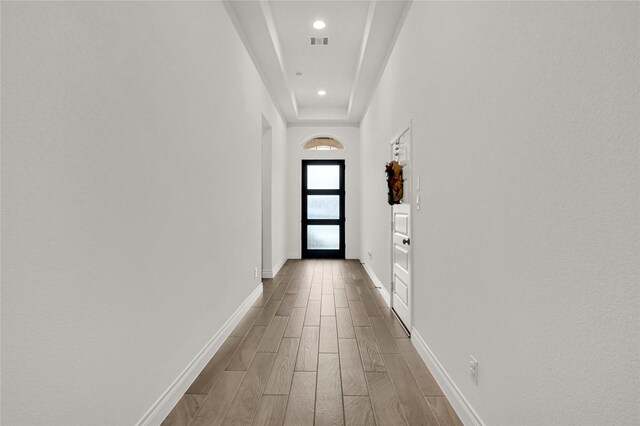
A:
(319, 41)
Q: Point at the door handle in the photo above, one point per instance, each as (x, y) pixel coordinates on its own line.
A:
(407, 241)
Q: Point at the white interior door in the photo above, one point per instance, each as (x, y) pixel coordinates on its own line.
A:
(401, 234)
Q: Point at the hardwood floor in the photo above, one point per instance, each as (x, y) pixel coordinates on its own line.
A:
(319, 347)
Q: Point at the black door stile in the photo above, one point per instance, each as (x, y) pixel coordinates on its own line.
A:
(316, 253)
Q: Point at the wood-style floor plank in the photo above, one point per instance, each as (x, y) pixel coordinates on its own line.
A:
(384, 401)
(246, 322)
(242, 358)
(302, 298)
(271, 410)
(313, 313)
(353, 381)
(328, 306)
(246, 399)
(352, 293)
(294, 286)
(329, 391)
(397, 331)
(273, 335)
(184, 410)
(378, 298)
(296, 322)
(267, 313)
(210, 374)
(413, 403)
(280, 291)
(219, 399)
(358, 314)
(386, 342)
(361, 286)
(340, 298)
(328, 335)
(443, 411)
(279, 381)
(421, 373)
(369, 351)
(370, 305)
(358, 411)
(308, 351)
(316, 292)
(327, 286)
(264, 297)
(284, 309)
(345, 325)
(301, 406)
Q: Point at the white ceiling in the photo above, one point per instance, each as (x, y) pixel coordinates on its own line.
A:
(361, 35)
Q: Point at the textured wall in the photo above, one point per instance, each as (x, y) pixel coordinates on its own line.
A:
(526, 246)
(130, 200)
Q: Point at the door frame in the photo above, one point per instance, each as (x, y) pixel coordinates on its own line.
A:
(266, 200)
(341, 221)
(408, 130)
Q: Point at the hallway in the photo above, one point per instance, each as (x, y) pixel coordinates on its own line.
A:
(169, 168)
(318, 347)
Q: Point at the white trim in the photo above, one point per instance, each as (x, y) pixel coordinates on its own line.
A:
(323, 123)
(293, 255)
(381, 287)
(170, 397)
(460, 404)
(270, 273)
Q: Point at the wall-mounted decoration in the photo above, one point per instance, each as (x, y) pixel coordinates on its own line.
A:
(394, 182)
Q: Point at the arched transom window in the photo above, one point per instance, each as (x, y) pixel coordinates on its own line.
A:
(323, 143)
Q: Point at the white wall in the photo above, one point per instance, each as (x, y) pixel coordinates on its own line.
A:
(526, 246)
(130, 200)
(349, 136)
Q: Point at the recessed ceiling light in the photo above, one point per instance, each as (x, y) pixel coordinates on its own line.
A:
(318, 25)
(321, 92)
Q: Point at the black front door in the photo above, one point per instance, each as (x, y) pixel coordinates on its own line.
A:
(323, 209)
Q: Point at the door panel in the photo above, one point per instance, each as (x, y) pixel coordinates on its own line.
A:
(323, 176)
(401, 258)
(401, 235)
(325, 237)
(323, 209)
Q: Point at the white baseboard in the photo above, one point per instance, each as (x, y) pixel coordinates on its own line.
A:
(465, 411)
(383, 290)
(169, 398)
(270, 273)
(294, 255)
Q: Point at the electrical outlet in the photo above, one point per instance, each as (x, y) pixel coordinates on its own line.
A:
(255, 272)
(473, 369)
